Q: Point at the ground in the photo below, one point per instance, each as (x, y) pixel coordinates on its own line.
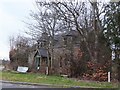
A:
(53, 80)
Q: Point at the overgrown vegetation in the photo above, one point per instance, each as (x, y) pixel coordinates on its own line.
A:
(98, 27)
(97, 71)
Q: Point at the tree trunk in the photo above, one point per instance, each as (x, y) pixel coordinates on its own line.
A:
(95, 12)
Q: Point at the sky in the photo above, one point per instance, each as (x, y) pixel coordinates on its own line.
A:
(12, 15)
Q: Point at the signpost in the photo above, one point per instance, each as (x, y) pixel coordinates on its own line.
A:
(22, 69)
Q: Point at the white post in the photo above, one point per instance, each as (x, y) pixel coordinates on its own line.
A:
(108, 76)
(46, 70)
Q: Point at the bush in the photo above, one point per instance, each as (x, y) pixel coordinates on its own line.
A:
(96, 71)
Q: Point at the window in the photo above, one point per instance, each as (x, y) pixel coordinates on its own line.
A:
(37, 62)
(65, 41)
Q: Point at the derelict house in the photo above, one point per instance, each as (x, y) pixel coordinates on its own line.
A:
(64, 46)
(38, 59)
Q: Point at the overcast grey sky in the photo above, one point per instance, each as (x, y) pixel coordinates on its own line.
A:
(12, 13)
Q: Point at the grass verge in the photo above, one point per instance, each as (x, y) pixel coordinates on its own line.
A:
(54, 80)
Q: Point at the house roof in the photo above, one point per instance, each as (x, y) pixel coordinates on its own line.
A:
(43, 52)
(72, 33)
(57, 41)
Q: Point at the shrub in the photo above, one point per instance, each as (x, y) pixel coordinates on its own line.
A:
(96, 71)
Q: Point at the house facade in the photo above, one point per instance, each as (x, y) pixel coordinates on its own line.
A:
(64, 46)
(38, 59)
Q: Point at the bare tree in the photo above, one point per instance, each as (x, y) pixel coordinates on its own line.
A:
(19, 52)
(46, 20)
(72, 17)
(83, 17)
